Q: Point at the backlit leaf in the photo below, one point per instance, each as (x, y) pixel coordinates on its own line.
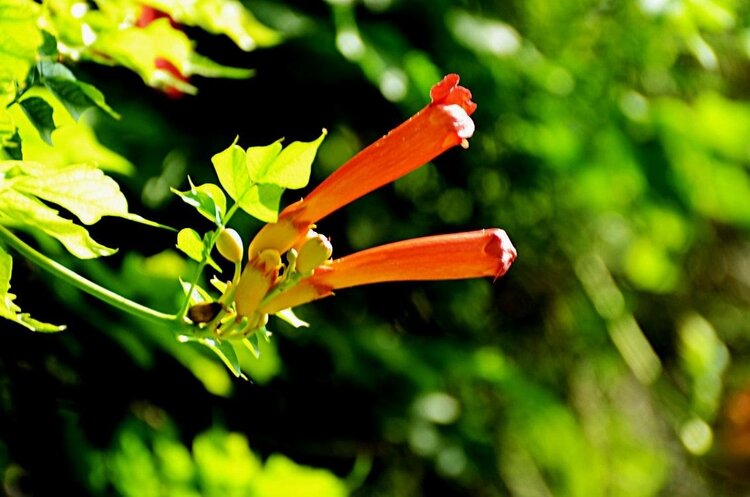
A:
(82, 189)
(19, 39)
(18, 209)
(208, 199)
(291, 168)
(231, 169)
(191, 243)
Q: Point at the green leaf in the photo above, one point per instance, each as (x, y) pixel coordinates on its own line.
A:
(291, 168)
(204, 66)
(208, 199)
(12, 146)
(258, 160)
(39, 113)
(262, 202)
(82, 189)
(78, 96)
(9, 309)
(190, 242)
(49, 46)
(231, 169)
(19, 39)
(18, 209)
(256, 179)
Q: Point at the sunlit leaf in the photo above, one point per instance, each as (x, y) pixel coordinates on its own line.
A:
(228, 17)
(39, 113)
(74, 142)
(191, 243)
(19, 39)
(262, 202)
(82, 189)
(208, 199)
(230, 167)
(291, 168)
(20, 210)
(8, 308)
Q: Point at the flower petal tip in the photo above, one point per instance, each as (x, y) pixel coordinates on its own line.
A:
(448, 92)
(500, 247)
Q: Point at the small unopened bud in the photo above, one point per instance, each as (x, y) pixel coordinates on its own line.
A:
(229, 245)
(313, 252)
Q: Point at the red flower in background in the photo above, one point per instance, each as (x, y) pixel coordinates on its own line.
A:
(149, 15)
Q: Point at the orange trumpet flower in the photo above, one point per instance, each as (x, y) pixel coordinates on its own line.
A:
(444, 257)
(441, 125)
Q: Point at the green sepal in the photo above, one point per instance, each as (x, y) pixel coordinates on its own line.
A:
(290, 317)
(226, 353)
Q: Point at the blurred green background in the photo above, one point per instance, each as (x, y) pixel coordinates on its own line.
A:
(612, 144)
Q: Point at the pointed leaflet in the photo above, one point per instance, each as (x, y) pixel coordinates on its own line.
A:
(260, 201)
(8, 308)
(203, 66)
(190, 242)
(290, 168)
(208, 200)
(18, 209)
(226, 353)
(39, 113)
(75, 95)
(256, 179)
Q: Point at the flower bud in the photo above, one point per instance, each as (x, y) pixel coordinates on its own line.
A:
(314, 251)
(259, 275)
(229, 245)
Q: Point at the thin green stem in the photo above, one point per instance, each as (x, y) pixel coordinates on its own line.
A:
(204, 260)
(85, 285)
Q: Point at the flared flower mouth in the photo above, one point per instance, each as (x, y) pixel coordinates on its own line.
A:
(443, 124)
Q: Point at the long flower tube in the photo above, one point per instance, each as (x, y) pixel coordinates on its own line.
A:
(474, 254)
(444, 123)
